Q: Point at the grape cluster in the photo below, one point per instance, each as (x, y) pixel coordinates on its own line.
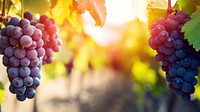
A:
(50, 36)
(179, 59)
(25, 47)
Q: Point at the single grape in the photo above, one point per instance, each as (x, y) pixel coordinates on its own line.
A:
(35, 71)
(36, 82)
(30, 93)
(17, 32)
(25, 41)
(24, 71)
(13, 61)
(28, 15)
(13, 72)
(28, 81)
(25, 62)
(23, 22)
(37, 34)
(28, 29)
(9, 51)
(20, 90)
(31, 54)
(19, 52)
(21, 97)
(9, 30)
(17, 82)
(14, 21)
(12, 88)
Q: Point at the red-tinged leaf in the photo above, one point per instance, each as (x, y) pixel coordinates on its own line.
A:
(96, 8)
(53, 3)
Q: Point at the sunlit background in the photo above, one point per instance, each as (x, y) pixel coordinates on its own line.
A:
(102, 69)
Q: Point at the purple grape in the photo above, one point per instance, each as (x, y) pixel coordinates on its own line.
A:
(37, 34)
(28, 81)
(35, 62)
(28, 15)
(9, 51)
(40, 51)
(9, 30)
(13, 61)
(5, 61)
(21, 97)
(35, 72)
(12, 88)
(30, 93)
(24, 22)
(17, 32)
(17, 82)
(14, 42)
(25, 41)
(40, 43)
(28, 30)
(14, 21)
(13, 72)
(20, 90)
(24, 62)
(31, 54)
(36, 82)
(24, 71)
(188, 76)
(19, 52)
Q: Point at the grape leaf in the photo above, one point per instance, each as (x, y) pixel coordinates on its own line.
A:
(192, 29)
(96, 8)
(37, 6)
(53, 3)
(189, 6)
(156, 9)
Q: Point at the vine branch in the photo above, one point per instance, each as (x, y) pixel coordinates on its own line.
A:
(169, 8)
(3, 14)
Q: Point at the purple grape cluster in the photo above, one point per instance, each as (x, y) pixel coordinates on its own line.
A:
(26, 44)
(179, 59)
(50, 37)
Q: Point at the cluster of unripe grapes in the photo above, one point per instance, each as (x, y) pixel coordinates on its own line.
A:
(179, 60)
(26, 44)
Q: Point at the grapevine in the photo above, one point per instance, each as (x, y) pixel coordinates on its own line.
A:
(26, 44)
(179, 60)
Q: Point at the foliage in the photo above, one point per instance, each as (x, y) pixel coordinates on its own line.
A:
(192, 29)
(96, 8)
(156, 9)
(189, 6)
(36, 6)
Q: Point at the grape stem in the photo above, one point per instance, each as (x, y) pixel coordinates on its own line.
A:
(3, 15)
(169, 8)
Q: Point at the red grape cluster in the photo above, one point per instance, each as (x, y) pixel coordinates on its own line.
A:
(50, 36)
(26, 44)
(179, 59)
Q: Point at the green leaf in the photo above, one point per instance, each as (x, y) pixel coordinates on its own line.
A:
(1, 92)
(189, 6)
(37, 6)
(192, 29)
